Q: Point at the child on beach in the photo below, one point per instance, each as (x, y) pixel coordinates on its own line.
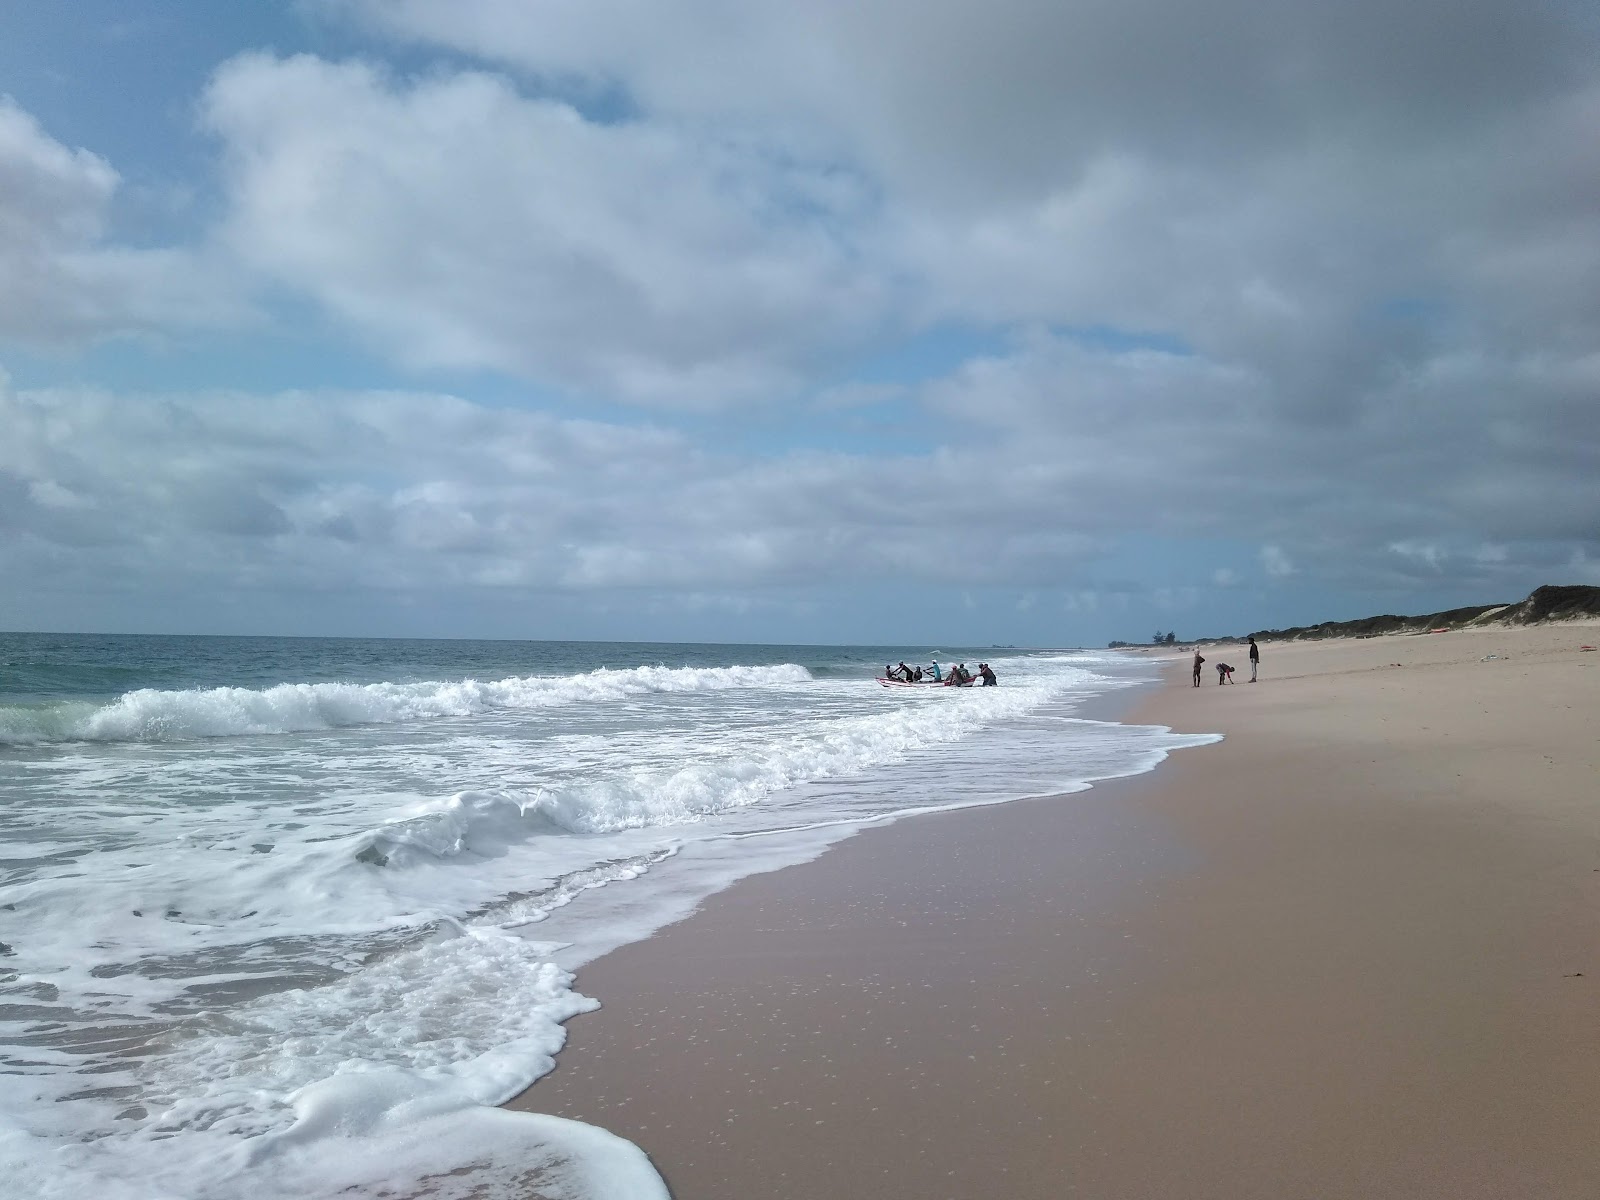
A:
(1224, 674)
(1197, 661)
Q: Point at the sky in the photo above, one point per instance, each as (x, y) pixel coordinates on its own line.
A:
(1022, 322)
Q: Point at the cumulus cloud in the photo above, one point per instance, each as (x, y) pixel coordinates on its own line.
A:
(456, 222)
(1259, 179)
(402, 496)
(63, 281)
(1276, 563)
(407, 491)
(415, 492)
(1314, 281)
(311, 489)
(1444, 456)
(1330, 202)
(1026, 89)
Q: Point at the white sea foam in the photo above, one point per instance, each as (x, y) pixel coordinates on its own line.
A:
(302, 963)
(147, 715)
(313, 1092)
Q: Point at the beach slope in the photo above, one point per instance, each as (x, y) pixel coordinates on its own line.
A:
(1351, 951)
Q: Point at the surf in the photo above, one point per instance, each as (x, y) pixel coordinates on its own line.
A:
(151, 715)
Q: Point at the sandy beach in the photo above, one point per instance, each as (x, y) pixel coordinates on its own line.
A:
(1352, 950)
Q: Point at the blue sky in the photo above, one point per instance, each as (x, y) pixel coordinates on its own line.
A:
(1023, 323)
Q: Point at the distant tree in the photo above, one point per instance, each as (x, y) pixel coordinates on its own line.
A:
(1158, 639)
(1171, 638)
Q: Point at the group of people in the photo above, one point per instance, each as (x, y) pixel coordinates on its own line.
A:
(1224, 671)
(959, 675)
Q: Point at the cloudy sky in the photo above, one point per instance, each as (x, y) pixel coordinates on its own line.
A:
(1041, 322)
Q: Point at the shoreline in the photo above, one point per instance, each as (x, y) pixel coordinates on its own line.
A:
(1349, 951)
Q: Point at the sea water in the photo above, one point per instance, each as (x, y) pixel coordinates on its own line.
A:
(290, 917)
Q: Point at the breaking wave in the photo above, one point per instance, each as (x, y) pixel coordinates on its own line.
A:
(149, 715)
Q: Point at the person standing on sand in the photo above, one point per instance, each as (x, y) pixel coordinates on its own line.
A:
(1198, 660)
(1255, 659)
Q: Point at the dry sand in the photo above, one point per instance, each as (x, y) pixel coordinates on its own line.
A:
(1351, 951)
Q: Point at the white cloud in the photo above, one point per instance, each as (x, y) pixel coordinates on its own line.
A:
(456, 222)
(309, 490)
(1321, 206)
(61, 281)
(1326, 284)
(1424, 554)
(1020, 90)
(396, 492)
(1249, 175)
(1081, 601)
(1276, 563)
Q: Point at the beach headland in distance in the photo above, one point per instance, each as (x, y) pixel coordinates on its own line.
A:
(1351, 951)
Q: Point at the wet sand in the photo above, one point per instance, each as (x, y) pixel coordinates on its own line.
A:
(1351, 951)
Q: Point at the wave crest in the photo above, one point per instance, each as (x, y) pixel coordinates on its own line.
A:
(149, 715)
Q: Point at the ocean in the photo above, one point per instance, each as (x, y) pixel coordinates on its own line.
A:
(290, 917)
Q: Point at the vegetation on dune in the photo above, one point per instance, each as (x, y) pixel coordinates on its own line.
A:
(1552, 602)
